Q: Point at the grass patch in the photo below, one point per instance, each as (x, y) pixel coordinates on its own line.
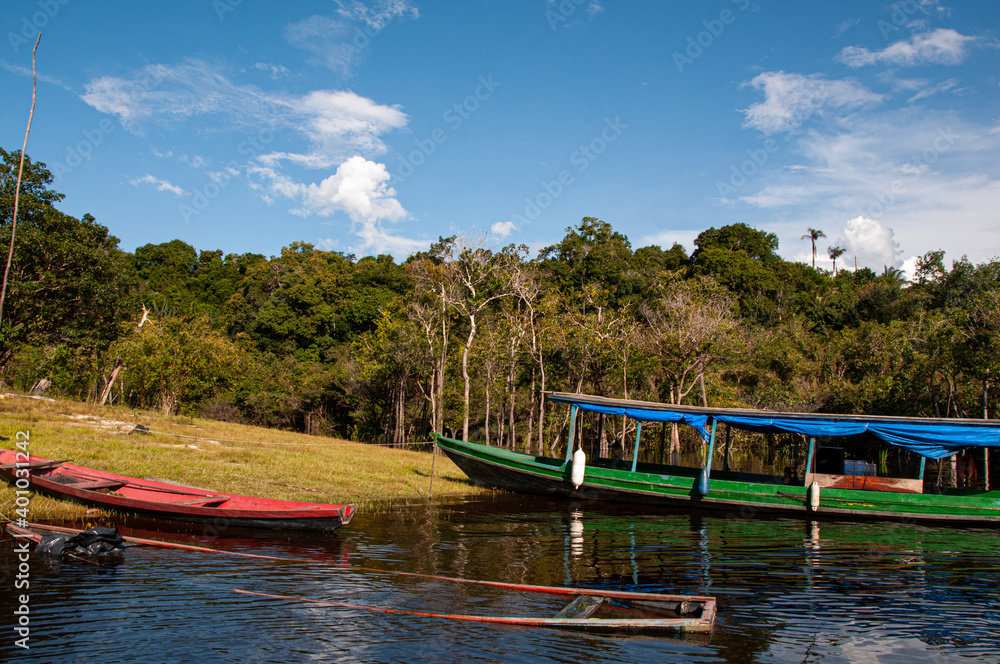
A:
(227, 457)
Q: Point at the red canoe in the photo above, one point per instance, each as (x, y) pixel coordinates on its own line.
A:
(166, 500)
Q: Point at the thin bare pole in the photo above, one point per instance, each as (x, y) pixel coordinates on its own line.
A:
(20, 170)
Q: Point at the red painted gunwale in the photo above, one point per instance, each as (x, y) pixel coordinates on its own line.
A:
(172, 501)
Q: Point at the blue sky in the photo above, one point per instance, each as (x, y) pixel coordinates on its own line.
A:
(377, 126)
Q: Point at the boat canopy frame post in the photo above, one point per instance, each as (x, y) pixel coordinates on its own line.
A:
(706, 471)
(663, 440)
(809, 459)
(725, 461)
(635, 452)
(923, 463)
(572, 432)
(711, 447)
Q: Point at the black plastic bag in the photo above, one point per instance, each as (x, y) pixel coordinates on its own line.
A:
(94, 542)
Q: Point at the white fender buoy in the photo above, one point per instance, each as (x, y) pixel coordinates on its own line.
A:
(814, 496)
(579, 468)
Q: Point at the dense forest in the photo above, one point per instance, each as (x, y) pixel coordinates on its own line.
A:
(469, 337)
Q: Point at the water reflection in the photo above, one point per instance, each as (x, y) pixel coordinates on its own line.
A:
(787, 590)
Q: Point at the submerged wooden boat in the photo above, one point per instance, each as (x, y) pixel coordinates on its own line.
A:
(593, 611)
(615, 612)
(167, 500)
(835, 494)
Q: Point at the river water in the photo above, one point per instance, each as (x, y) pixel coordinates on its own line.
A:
(787, 590)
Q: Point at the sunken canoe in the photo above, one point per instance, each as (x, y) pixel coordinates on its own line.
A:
(166, 500)
(603, 611)
(820, 494)
(608, 612)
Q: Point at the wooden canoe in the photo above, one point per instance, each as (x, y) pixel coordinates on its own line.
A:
(165, 500)
(615, 612)
(593, 611)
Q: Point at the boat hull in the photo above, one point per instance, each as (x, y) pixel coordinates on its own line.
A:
(164, 500)
(665, 486)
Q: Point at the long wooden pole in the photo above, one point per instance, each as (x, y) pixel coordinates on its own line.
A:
(20, 171)
(986, 416)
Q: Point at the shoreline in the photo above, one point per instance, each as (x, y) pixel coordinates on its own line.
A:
(232, 458)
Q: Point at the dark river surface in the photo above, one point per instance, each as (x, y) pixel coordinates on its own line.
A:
(788, 590)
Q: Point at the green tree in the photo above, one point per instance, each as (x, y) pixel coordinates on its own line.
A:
(835, 253)
(813, 234)
(69, 283)
(177, 363)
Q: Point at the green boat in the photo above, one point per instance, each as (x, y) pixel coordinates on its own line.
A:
(822, 493)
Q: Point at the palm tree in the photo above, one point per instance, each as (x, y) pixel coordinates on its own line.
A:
(835, 253)
(813, 235)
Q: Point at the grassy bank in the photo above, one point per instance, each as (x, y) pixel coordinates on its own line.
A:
(221, 456)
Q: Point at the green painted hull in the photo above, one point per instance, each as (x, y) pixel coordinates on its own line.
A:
(733, 493)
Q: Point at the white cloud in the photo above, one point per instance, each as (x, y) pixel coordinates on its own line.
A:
(928, 176)
(943, 46)
(932, 90)
(871, 243)
(791, 99)
(503, 228)
(909, 267)
(668, 238)
(275, 71)
(338, 42)
(196, 161)
(360, 189)
(328, 39)
(26, 72)
(378, 14)
(173, 93)
(846, 25)
(338, 123)
(337, 126)
(161, 185)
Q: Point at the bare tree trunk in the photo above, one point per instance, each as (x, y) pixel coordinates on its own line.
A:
(17, 187)
(106, 392)
(562, 427)
(511, 388)
(442, 361)
(401, 414)
(529, 434)
(541, 410)
(489, 381)
(465, 376)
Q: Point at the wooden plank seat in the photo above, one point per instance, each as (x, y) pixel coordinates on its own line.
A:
(582, 607)
(97, 484)
(207, 501)
(33, 465)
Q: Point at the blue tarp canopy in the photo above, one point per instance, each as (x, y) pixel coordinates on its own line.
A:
(932, 438)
